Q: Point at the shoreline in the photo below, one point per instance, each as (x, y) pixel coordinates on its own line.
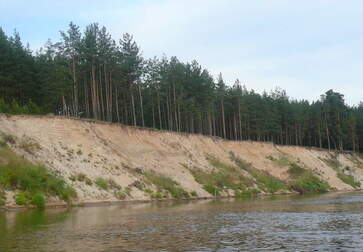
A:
(12, 208)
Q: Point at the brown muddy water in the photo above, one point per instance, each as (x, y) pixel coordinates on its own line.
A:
(329, 222)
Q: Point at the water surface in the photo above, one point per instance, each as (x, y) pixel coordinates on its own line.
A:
(329, 222)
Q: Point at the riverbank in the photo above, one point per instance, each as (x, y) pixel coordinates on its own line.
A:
(106, 162)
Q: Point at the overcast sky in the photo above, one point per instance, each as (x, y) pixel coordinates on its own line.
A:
(305, 47)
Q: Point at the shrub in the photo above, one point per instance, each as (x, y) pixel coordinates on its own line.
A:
(248, 193)
(21, 198)
(213, 190)
(167, 184)
(72, 178)
(296, 170)
(349, 179)
(193, 193)
(29, 145)
(309, 183)
(268, 182)
(120, 195)
(156, 195)
(3, 144)
(9, 139)
(81, 177)
(2, 198)
(19, 174)
(101, 183)
(38, 201)
(113, 185)
(89, 182)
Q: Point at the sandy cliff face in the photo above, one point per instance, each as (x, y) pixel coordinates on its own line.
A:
(136, 159)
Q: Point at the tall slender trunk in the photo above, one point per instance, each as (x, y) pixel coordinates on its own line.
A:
(223, 120)
(159, 110)
(75, 91)
(132, 105)
(117, 107)
(141, 108)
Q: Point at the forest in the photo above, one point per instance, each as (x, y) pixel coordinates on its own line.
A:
(88, 74)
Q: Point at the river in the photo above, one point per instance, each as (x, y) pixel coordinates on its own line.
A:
(326, 222)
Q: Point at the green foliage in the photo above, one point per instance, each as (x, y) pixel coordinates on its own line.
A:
(213, 190)
(165, 183)
(8, 139)
(120, 195)
(247, 193)
(21, 198)
(281, 161)
(38, 200)
(264, 180)
(15, 108)
(2, 197)
(3, 144)
(194, 193)
(113, 185)
(102, 183)
(267, 182)
(72, 178)
(348, 179)
(19, 174)
(81, 177)
(88, 181)
(296, 170)
(29, 145)
(333, 163)
(309, 183)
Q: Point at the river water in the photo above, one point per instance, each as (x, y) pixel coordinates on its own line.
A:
(327, 222)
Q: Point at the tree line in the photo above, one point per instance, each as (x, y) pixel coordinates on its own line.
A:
(88, 74)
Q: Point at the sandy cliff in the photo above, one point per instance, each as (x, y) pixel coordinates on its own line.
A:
(138, 160)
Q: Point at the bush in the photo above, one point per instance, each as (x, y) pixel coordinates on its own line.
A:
(72, 178)
(21, 198)
(2, 198)
(81, 177)
(38, 201)
(295, 170)
(308, 183)
(167, 184)
(120, 195)
(193, 193)
(101, 183)
(268, 182)
(113, 185)
(248, 193)
(213, 190)
(9, 139)
(19, 174)
(3, 144)
(89, 182)
(29, 145)
(349, 179)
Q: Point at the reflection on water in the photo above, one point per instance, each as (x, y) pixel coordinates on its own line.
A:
(330, 222)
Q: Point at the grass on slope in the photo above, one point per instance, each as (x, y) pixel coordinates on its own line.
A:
(264, 180)
(32, 182)
(165, 184)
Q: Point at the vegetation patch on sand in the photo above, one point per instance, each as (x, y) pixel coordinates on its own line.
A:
(309, 183)
(264, 180)
(166, 184)
(33, 182)
(348, 179)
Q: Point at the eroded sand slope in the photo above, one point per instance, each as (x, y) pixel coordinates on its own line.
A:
(124, 154)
